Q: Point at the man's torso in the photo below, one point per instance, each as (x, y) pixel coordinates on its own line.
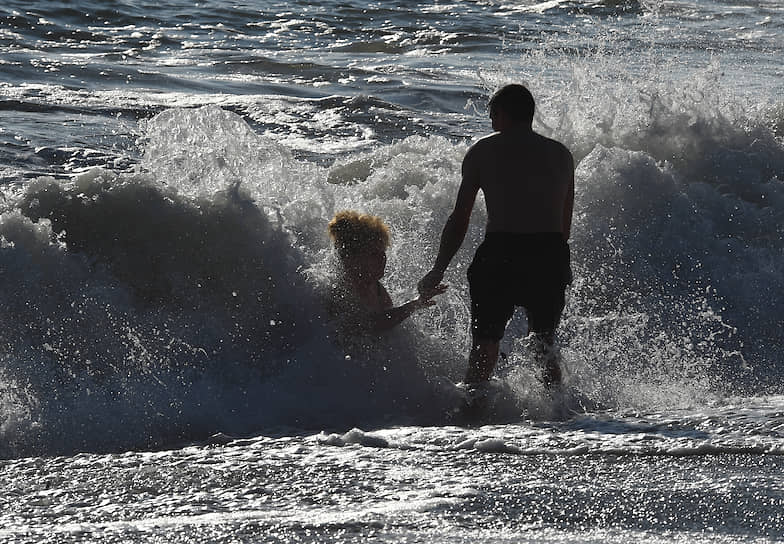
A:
(525, 179)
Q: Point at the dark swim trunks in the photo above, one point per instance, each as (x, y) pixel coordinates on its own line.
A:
(511, 269)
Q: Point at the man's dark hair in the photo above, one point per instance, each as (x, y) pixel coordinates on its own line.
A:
(516, 101)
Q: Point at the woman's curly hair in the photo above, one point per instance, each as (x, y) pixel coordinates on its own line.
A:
(353, 232)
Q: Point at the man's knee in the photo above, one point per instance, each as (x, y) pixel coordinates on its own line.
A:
(547, 355)
(481, 361)
(542, 345)
(546, 338)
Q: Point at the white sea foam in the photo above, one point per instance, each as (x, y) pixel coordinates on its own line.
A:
(676, 246)
(240, 225)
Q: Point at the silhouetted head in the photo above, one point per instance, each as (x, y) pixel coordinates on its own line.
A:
(361, 241)
(515, 102)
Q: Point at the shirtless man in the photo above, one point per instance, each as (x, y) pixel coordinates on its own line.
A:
(528, 185)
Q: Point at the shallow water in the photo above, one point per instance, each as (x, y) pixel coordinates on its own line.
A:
(707, 476)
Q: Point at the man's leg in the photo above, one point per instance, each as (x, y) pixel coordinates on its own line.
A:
(481, 360)
(547, 356)
(491, 308)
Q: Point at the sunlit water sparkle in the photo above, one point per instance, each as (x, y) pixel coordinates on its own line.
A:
(168, 372)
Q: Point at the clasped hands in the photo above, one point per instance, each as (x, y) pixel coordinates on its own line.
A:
(430, 286)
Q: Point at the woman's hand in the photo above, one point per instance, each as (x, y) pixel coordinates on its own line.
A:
(429, 285)
(425, 297)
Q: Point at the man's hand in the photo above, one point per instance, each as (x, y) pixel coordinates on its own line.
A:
(431, 285)
(434, 292)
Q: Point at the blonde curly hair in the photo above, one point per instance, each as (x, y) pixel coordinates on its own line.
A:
(353, 232)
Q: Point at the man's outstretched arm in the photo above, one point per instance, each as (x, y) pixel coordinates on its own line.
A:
(454, 231)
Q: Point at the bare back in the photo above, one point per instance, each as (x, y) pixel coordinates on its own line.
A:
(527, 181)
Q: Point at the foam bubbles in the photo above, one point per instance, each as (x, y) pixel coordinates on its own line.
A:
(187, 297)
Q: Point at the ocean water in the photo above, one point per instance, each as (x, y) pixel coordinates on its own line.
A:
(169, 372)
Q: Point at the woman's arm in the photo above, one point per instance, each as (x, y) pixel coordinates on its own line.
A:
(390, 318)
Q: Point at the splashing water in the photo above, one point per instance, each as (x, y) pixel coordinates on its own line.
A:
(186, 296)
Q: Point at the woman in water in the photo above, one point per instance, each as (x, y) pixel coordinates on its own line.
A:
(361, 241)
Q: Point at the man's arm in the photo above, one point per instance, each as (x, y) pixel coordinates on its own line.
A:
(456, 226)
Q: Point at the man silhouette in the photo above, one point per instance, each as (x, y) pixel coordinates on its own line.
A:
(528, 184)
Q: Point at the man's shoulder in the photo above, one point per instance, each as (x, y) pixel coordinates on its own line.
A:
(497, 140)
(557, 150)
(553, 143)
(480, 148)
(484, 144)
(485, 141)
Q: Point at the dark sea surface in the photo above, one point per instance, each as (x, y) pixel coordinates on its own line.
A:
(169, 371)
